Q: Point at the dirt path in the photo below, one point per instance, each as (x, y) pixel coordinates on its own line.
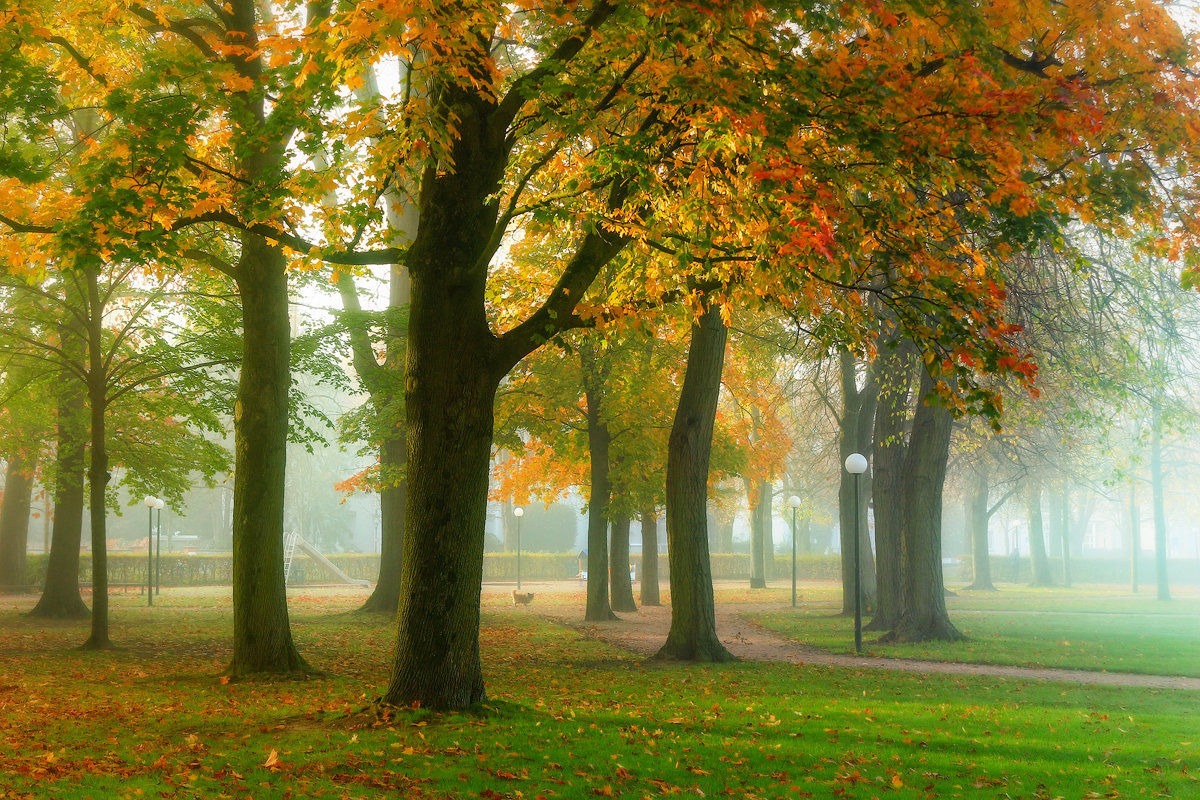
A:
(644, 632)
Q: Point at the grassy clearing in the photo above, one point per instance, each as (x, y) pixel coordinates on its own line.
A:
(568, 717)
(1092, 630)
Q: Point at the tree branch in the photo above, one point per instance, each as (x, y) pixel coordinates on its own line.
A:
(518, 93)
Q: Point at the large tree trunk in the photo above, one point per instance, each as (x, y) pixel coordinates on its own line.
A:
(453, 371)
(977, 518)
(1038, 561)
(858, 411)
(924, 616)
(98, 477)
(14, 525)
(895, 370)
(450, 392)
(454, 366)
(649, 582)
(1160, 517)
(61, 598)
(262, 637)
(622, 584)
(693, 634)
(599, 442)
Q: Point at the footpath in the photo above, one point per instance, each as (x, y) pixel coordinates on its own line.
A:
(644, 631)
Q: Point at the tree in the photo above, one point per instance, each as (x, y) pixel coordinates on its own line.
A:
(693, 633)
(16, 499)
(923, 615)
(895, 367)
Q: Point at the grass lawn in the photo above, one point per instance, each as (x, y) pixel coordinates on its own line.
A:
(1077, 629)
(568, 717)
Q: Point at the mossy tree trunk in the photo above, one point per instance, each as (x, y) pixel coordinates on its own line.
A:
(693, 634)
(599, 444)
(98, 476)
(61, 598)
(923, 616)
(454, 366)
(889, 432)
(262, 637)
(451, 381)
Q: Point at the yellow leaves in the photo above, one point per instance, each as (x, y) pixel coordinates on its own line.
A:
(309, 68)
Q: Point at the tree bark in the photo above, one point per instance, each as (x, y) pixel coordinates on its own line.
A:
(450, 391)
(693, 634)
(1038, 561)
(977, 518)
(393, 502)
(98, 477)
(61, 598)
(599, 445)
(895, 371)
(622, 585)
(1160, 517)
(262, 637)
(14, 525)
(649, 594)
(858, 411)
(383, 383)
(454, 366)
(924, 616)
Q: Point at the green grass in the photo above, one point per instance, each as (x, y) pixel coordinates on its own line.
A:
(567, 717)
(1076, 629)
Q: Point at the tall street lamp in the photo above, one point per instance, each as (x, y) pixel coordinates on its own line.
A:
(793, 503)
(158, 506)
(151, 503)
(518, 512)
(856, 465)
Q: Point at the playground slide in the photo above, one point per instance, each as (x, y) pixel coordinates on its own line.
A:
(328, 565)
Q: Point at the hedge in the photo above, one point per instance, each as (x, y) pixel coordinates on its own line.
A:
(215, 569)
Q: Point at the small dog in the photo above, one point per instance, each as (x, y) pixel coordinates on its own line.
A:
(522, 598)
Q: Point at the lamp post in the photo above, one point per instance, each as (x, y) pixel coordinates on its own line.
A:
(856, 465)
(158, 506)
(151, 503)
(518, 512)
(793, 503)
